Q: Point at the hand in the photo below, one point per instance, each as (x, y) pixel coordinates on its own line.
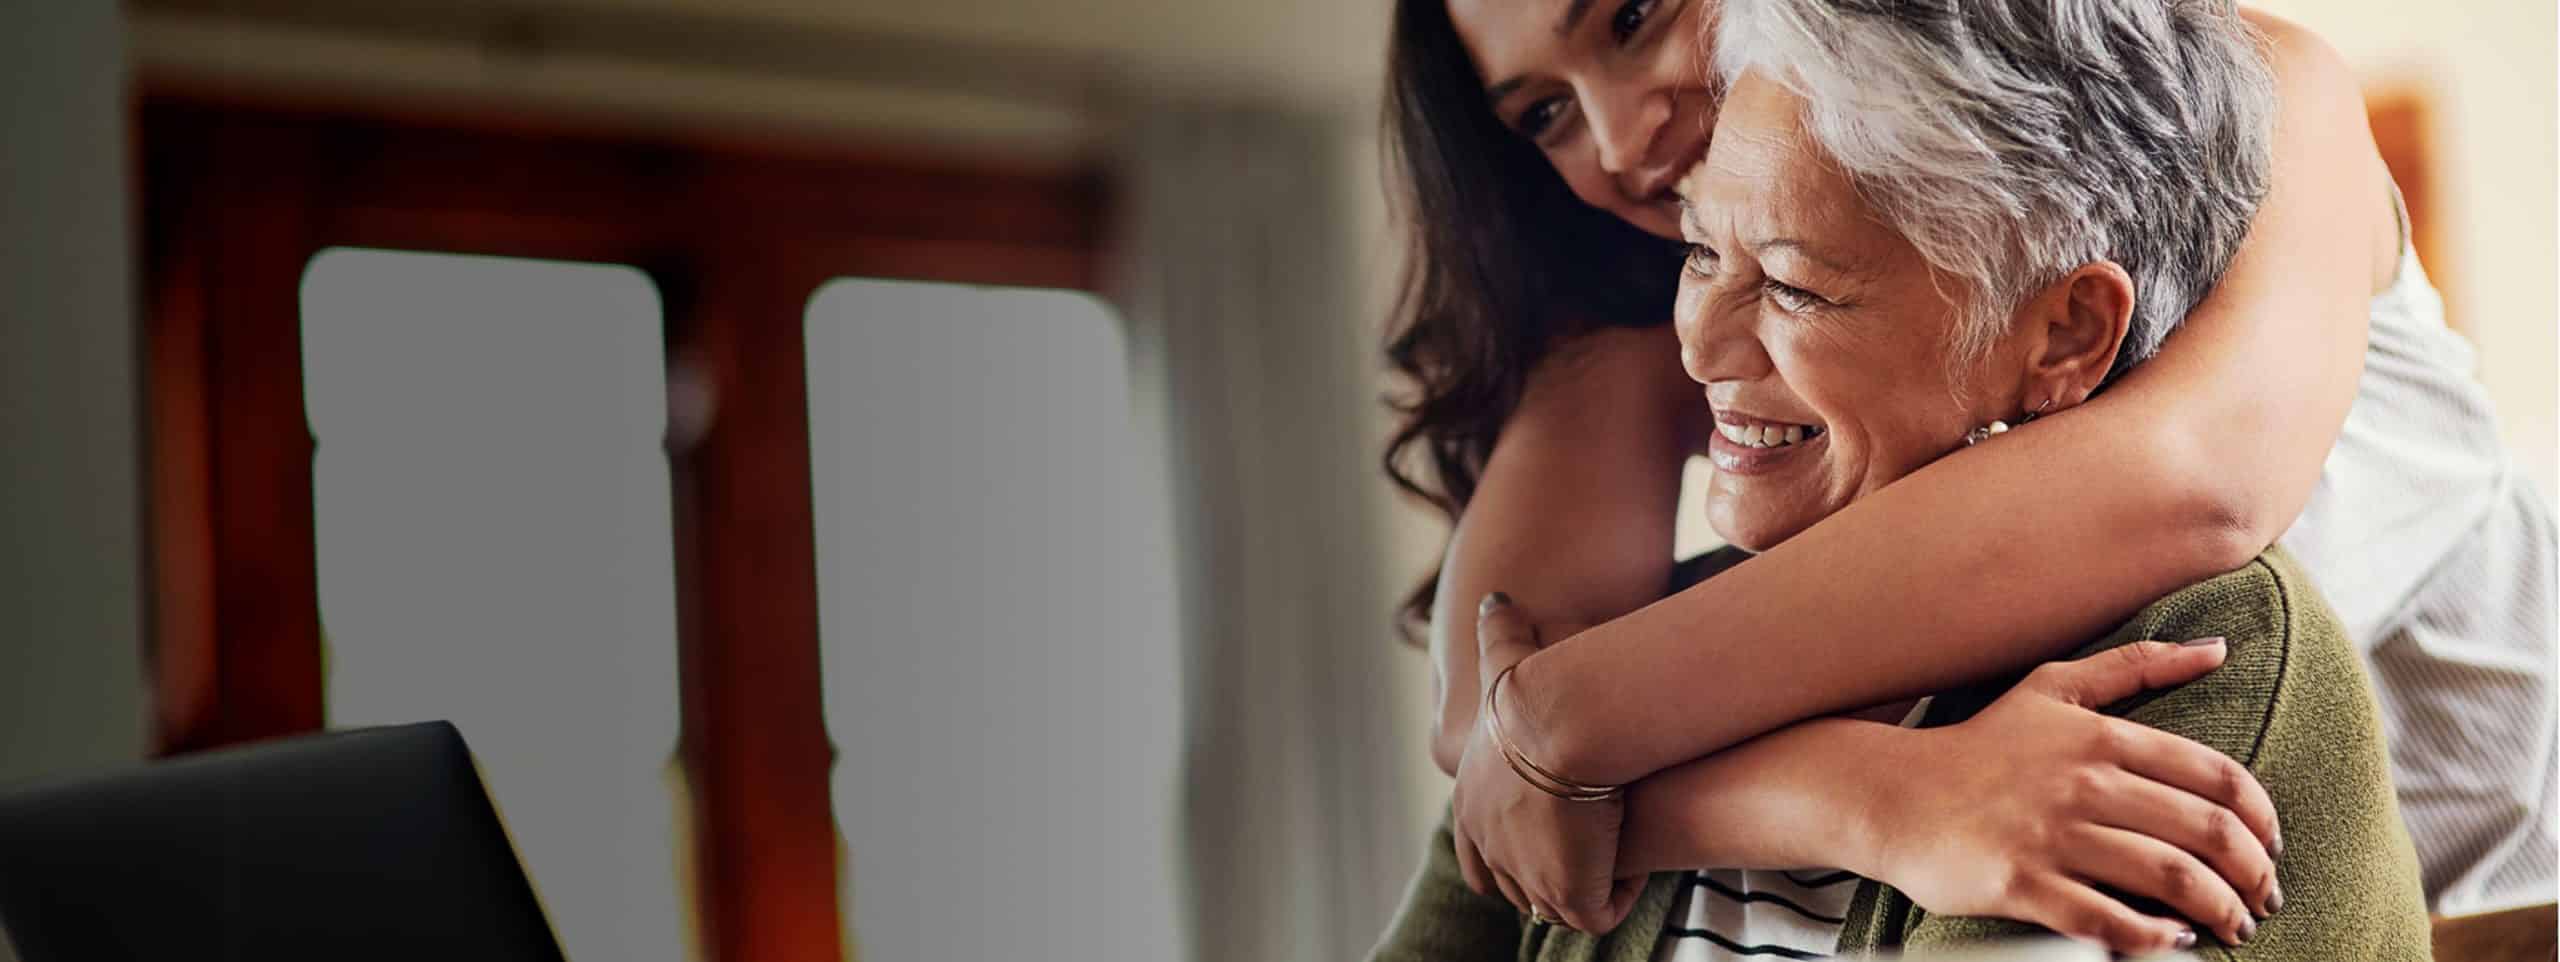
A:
(1550, 857)
(2023, 810)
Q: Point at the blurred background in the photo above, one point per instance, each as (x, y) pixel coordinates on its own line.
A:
(871, 480)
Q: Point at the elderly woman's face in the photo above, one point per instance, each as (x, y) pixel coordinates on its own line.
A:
(1818, 331)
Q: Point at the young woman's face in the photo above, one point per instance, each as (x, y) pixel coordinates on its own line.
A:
(1617, 93)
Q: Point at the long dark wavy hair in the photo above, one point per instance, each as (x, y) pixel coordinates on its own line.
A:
(1504, 263)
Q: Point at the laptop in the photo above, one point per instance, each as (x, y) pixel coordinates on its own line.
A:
(374, 844)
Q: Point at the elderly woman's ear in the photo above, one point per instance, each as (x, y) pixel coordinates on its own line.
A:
(2072, 333)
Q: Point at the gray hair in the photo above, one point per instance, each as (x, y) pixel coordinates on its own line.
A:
(2013, 141)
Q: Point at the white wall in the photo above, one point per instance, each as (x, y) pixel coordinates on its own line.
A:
(70, 506)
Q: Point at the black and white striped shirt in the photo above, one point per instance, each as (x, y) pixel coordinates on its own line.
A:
(1726, 914)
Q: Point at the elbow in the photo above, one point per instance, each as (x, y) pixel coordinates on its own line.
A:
(2227, 533)
(2214, 518)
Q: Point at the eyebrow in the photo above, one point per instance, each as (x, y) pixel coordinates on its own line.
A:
(1573, 12)
(1689, 217)
(1803, 250)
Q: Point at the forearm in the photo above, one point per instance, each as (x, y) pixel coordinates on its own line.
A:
(1803, 796)
(1891, 598)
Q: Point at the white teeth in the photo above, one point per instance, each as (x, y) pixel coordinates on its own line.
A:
(1766, 435)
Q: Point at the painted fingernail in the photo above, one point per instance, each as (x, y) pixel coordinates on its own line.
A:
(2202, 642)
(1493, 601)
(2276, 848)
(2186, 939)
(2248, 929)
(2275, 899)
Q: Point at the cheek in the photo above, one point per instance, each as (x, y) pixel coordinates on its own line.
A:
(1855, 391)
(1579, 165)
(1890, 409)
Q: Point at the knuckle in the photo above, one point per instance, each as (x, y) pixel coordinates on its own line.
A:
(2095, 923)
(2177, 878)
(2125, 933)
(2108, 738)
(2084, 786)
(2225, 831)
(2013, 885)
(2234, 780)
(2054, 678)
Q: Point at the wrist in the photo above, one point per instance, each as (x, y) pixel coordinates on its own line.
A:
(1539, 724)
(1878, 787)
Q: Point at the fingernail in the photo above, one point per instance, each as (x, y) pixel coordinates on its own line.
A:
(2248, 930)
(1492, 601)
(2276, 849)
(2275, 899)
(2202, 642)
(2186, 939)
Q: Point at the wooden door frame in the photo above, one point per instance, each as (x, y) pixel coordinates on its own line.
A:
(238, 194)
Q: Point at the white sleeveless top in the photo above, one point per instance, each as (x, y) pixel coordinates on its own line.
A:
(2440, 559)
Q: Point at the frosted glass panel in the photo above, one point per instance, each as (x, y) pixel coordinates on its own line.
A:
(493, 521)
(996, 603)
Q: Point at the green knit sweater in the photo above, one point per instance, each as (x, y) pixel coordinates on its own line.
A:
(2291, 703)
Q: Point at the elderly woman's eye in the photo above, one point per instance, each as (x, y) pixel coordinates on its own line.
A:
(1701, 260)
(1630, 18)
(1791, 298)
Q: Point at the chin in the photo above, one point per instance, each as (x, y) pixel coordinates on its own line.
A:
(1752, 531)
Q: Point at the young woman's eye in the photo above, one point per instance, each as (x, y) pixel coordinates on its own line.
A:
(1792, 299)
(1701, 260)
(1539, 118)
(1630, 18)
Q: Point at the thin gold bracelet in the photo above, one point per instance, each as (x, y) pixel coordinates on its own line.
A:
(1538, 776)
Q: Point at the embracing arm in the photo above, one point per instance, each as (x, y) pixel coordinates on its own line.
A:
(2009, 813)
(2189, 467)
(1574, 515)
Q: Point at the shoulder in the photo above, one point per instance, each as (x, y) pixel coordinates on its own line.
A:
(2320, 113)
(2285, 647)
(2301, 60)
(2292, 705)
(1620, 384)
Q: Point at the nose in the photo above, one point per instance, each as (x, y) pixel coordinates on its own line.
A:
(1718, 342)
(1628, 125)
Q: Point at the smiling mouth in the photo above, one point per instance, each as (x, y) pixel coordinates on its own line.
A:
(1768, 434)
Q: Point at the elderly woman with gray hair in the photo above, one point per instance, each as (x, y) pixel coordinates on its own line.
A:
(1923, 224)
